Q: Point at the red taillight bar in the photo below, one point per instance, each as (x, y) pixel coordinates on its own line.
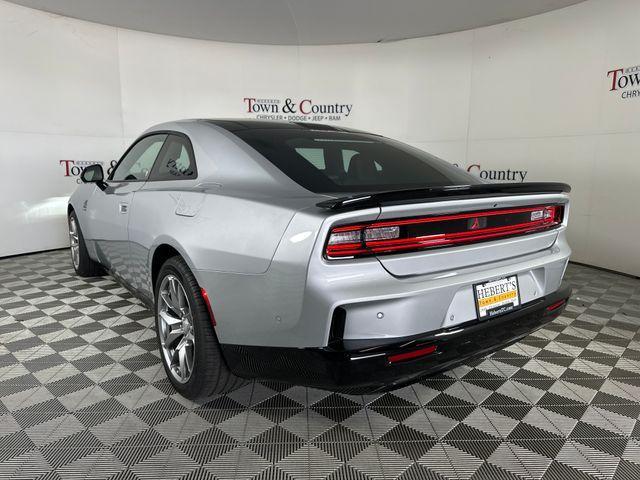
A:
(459, 216)
(393, 236)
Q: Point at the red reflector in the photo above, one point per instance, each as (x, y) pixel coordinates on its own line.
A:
(413, 234)
(207, 302)
(401, 357)
(556, 305)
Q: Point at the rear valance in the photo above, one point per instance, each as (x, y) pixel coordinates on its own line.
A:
(434, 194)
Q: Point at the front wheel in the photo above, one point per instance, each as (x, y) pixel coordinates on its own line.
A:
(82, 263)
(188, 345)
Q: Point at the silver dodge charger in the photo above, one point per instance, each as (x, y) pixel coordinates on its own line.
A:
(317, 255)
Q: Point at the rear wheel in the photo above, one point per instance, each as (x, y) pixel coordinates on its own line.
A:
(188, 345)
(82, 263)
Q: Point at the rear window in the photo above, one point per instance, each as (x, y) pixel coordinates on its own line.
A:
(332, 162)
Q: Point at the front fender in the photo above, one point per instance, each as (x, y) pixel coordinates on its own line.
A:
(78, 202)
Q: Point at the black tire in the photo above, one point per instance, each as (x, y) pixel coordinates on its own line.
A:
(210, 374)
(85, 267)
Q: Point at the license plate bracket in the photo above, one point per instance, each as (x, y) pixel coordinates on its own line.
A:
(496, 297)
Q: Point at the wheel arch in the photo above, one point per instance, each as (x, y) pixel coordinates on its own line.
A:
(78, 213)
(163, 249)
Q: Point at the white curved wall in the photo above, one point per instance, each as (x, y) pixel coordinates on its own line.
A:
(530, 95)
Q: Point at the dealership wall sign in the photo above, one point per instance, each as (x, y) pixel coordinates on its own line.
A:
(299, 110)
(623, 80)
(507, 175)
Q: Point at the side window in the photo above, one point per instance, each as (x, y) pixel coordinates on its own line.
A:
(176, 160)
(137, 163)
(315, 156)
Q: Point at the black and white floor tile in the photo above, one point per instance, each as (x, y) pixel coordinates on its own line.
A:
(83, 395)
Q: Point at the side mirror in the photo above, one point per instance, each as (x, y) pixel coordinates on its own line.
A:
(92, 174)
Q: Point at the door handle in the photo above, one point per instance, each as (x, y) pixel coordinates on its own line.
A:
(123, 207)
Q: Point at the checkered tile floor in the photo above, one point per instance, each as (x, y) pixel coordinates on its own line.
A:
(83, 395)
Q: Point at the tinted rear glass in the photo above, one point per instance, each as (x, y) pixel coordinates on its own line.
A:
(333, 162)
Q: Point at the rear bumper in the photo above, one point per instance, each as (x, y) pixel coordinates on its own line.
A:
(364, 366)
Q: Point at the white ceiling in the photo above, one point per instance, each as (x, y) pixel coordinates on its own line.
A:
(298, 22)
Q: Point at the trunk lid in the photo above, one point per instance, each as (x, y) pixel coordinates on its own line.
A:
(451, 258)
(463, 226)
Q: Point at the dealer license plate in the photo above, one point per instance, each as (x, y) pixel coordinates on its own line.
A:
(496, 297)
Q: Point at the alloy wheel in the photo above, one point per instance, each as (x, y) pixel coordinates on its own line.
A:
(175, 328)
(74, 241)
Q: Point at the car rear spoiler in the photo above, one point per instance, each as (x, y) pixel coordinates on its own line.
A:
(434, 194)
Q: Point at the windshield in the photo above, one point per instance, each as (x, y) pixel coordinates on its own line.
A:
(333, 162)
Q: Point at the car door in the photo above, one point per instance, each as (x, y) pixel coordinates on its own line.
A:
(160, 205)
(109, 208)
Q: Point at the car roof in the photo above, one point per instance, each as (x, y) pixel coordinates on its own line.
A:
(238, 124)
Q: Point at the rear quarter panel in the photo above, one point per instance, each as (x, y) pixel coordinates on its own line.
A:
(213, 232)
